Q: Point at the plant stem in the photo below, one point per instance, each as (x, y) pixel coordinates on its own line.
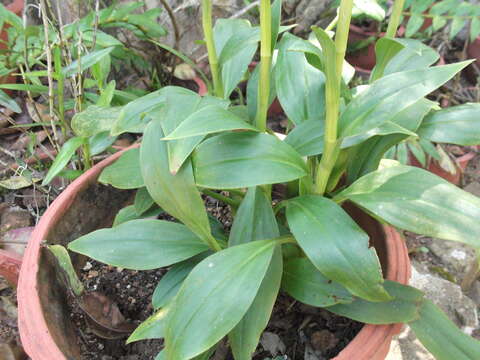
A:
(265, 64)
(212, 52)
(87, 158)
(332, 24)
(334, 77)
(221, 198)
(395, 18)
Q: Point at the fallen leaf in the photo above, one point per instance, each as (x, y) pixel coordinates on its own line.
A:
(272, 343)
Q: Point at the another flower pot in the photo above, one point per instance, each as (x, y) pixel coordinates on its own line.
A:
(17, 8)
(10, 264)
(363, 59)
(46, 329)
(473, 52)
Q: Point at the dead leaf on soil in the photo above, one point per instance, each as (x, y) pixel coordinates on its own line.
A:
(272, 343)
(104, 316)
(17, 182)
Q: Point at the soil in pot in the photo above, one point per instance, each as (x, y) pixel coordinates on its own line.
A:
(294, 330)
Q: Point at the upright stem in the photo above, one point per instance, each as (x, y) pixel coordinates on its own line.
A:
(334, 77)
(265, 64)
(212, 52)
(395, 18)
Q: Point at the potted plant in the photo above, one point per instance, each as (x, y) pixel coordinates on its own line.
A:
(308, 244)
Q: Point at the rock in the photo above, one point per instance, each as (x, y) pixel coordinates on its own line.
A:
(456, 256)
(474, 292)
(323, 340)
(13, 218)
(449, 297)
(473, 188)
(272, 343)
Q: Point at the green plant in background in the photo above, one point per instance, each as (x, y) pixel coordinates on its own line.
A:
(435, 15)
(76, 59)
(221, 284)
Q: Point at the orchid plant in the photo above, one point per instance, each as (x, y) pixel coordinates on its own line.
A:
(223, 284)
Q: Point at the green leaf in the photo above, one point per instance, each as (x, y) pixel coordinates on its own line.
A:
(474, 28)
(129, 213)
(255, 220)
(415, 55)
(416, 200)
(25, 87)
(336, 245)
(100, 142)
(236, 42)
(8, 102)
(86, 61)
(152, 328)
(65, 262)
(209, 120)
(237, 160)
(276, 21)
(143, 201)
(171, 282)
(414, 24)
(385, 50)
(303, 281)
(106, 96)
(180, 104)
(300, 86)
(125, 172)
(457, 125)
(218, 292)
(369, 8)
(252, 89)
(94, 119)
(176, 194)
(134, 116)
(404, 307)
(391, 94)
(441, 336)
(140, 244)
(366, 157)
(66, 152)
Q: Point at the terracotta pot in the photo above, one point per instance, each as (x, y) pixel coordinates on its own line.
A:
(363, 59)
(17, 8)
(46, 330)
(473, 52)
(10, 264)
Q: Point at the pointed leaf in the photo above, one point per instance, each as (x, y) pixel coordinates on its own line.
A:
(304, 282)
(125, 172)
(66, 152)
(171, 282)
(404, 306)
(336, 245)
(415, 55)
(237, 160)
(391, 94)
(176, 194)
(441, 336)
(209, 120)
(86, 61)
(152, 328)
(218, 292)
(134, 116)
(457, 125)
(300, 86)
(385, 49)
(416, 200)
(130, 213)
(94, 119)
(8, 102)
(180, 104)
(255, 220)
(140, 244)
(143, 201)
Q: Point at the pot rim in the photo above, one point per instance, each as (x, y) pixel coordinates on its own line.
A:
(372, 342)
(16, 6)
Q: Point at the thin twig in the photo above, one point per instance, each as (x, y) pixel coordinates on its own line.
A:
(171, 15)
(49, 68)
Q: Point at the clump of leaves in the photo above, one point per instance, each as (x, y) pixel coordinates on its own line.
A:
(222, 284)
